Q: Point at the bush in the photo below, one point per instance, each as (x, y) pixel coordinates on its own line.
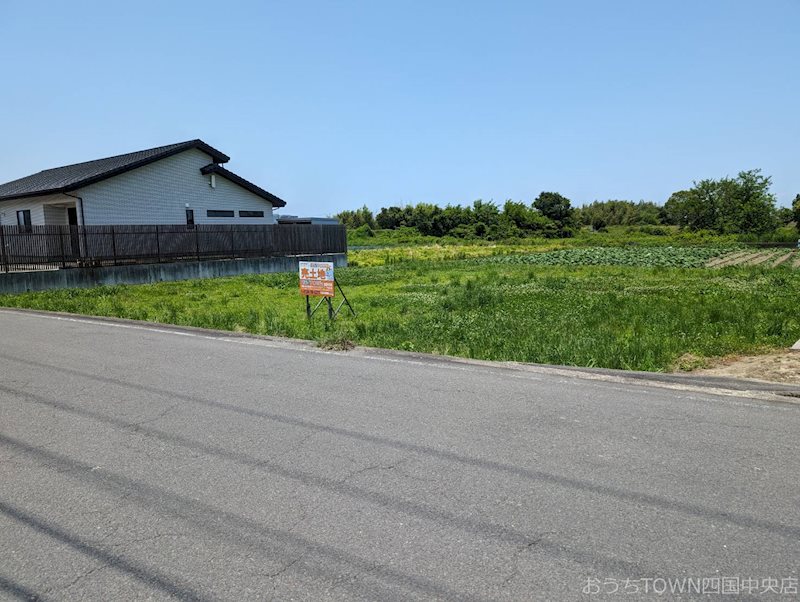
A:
(463, 231)
(364, 231)
(599, 224)
(655, 230)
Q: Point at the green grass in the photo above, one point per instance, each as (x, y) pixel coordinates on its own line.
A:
(615, 316)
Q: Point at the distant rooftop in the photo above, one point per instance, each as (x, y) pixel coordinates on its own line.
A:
(294, 219)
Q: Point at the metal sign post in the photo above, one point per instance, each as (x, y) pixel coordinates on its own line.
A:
(343, 303)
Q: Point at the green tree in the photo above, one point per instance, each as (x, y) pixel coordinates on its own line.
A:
(423, 218)
(485, 213)
(796, 210)
(353, 219)
(599, 224)
(619, 213)
(741, 205)
(785, 216)
(391, 218)
(557, 208)
(450, 218)
(526, 219)
(702, 206)
(748, 205)
(676, 209)
(553, 206)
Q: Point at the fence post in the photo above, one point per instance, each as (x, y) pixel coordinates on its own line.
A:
(158, 246)
(61, 240)
(3, 254)
(233, 254)
(113, 246)
(197, 243)
(85, 250)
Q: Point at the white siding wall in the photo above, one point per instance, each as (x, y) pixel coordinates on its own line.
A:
(8, 210)
(55, 216)
(158, 193)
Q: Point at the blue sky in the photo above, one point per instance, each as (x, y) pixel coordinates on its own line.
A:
(332, 105)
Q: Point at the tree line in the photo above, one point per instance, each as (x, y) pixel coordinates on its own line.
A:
(740, 205)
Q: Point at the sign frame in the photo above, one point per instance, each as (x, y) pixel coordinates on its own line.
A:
(316, 278)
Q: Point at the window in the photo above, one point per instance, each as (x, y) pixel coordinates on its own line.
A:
(24, 219)
(220, 213)
(251, 214)
(190, 217)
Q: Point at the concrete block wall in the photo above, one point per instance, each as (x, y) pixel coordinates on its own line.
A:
(21, 282)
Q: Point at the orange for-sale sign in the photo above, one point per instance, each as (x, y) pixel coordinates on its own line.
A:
(316, 278)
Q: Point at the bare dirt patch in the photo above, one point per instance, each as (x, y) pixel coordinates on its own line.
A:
(337, 344)
(784, 258)
(779, 367)
(727, 259)
(770, 258)
(759, 258)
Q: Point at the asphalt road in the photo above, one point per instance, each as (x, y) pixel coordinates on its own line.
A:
(147, 463)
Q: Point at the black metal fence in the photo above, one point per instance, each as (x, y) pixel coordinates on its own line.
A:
(24, 248)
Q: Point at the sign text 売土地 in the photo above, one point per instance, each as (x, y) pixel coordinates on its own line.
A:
(316, 278)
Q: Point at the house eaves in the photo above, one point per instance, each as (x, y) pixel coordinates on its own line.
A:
(213, 168)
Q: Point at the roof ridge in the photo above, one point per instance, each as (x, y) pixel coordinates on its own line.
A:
(144, 150)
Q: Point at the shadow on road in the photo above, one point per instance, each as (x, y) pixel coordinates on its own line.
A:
(231, 527)
(14, 589)
(739, 520)
(146, 576)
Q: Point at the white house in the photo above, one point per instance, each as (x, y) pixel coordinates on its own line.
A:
(182, 183)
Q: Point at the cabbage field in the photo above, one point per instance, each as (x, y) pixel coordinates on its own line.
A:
(671, 257)
(556, 253)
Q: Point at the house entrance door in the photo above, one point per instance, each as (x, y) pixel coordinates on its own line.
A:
(75, 240)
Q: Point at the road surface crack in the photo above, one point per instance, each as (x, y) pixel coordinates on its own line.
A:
(147, 538)
(77, 579)
(515, 556)
(370, 468)
(137, 423)
(297, 445)
(285, 567)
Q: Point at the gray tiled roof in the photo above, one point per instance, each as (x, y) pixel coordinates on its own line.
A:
(72, 177)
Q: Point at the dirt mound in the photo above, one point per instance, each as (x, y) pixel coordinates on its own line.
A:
(780, 367)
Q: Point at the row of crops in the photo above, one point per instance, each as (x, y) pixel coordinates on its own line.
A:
(767, 259)
(674, 257)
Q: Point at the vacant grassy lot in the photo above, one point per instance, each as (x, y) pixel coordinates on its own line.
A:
(616, 316)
